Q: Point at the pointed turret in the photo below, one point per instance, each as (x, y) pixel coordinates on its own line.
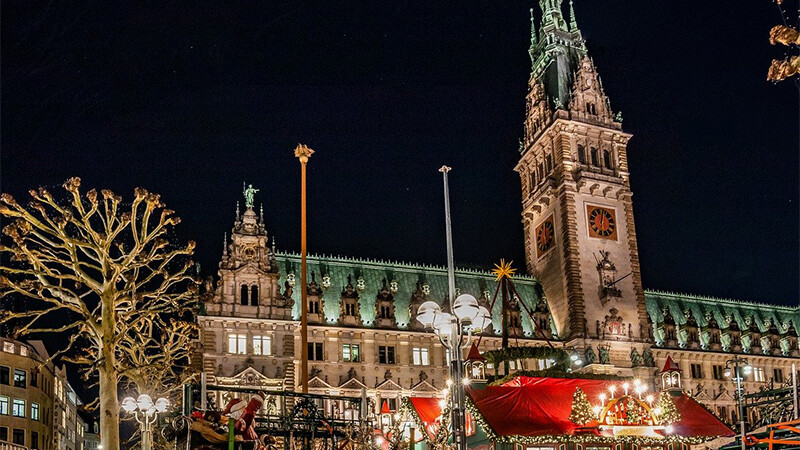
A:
(573, 23)
(534, 39)
(551, 15)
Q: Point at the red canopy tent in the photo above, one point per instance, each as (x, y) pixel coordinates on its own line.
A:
(535, 406)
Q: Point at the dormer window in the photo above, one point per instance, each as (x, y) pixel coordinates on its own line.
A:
(385, 312)
(349, 308)
(313, 306)
(590, 109)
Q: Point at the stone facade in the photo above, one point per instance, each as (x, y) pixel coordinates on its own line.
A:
(581, 247)
(26, 395)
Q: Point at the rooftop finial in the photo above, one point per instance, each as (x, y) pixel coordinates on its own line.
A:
(273, 245)
(573, 24)
(533, 31)
(237, 210)
(225, 244)
(261, 216)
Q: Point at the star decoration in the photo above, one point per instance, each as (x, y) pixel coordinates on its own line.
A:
(503, 270)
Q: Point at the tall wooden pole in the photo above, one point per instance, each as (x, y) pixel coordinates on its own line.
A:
(302, 153)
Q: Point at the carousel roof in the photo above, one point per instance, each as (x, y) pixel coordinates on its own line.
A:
(535, 406)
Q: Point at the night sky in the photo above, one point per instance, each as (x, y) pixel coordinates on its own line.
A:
(190, 99)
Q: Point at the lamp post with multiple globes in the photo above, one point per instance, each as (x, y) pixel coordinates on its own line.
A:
(146, 413)
(732, 370)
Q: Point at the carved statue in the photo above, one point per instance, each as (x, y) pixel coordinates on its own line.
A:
(352, 374)
(636, 358)
(647, 357)
(423, 376)
(589, 356)
(605, 358)
(249, 196)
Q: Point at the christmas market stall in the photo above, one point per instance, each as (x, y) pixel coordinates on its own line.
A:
(577, 414)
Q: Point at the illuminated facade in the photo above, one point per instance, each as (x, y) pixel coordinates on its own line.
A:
(585, 294)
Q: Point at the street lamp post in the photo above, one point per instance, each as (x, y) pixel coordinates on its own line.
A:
(732, 369)
(146, 413)
(302, 152)
(454, 330)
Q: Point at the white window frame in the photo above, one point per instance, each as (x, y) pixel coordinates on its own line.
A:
(8, 347)
(237, 344)
(348, 355)
(758, 374)
(18, 405)
(34, 411)
(262, 345)
(5, 404)
(421, 356)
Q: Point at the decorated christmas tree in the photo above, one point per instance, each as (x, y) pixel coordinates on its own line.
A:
(582, 412)
(633, 415)
(667, 411)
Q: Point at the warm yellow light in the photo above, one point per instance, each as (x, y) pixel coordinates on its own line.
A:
(650, 399)
(449, 382)
(636, 382)
(445, 392)
(442, 404)
(597, 410)
(466, 381)
(657, 411)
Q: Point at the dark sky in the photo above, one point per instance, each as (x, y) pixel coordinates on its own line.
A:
(189, 99)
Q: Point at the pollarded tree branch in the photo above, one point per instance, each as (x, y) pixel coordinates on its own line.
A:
(111, 267)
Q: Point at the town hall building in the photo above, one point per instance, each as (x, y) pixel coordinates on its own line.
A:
(584, 294)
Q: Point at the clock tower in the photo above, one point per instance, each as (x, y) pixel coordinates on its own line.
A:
(577, 213)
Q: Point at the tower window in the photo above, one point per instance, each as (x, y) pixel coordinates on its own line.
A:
(541, 170)
(549, 161)
(581, 154)
(590, 108)
(313, 306)
(385, 312)
(254, 295)
(244, 291)
(595, 160)
(607, 160)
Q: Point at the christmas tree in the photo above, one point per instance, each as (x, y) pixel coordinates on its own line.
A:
(582, 412)
(667, 411)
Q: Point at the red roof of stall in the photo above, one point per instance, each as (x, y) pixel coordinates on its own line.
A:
(535, 406)
(670, 366)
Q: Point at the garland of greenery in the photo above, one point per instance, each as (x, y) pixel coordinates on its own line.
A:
(560, 356)
(444, 424)
(555, 438)
(555, 373)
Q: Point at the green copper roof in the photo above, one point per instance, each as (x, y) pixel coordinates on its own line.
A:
(703, 308)
(406, 275)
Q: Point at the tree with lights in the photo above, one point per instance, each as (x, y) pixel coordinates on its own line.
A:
(108, 276)
(582, 412)
(667, 411)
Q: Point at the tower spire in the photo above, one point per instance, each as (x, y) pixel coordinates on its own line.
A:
(551, 14)
(237, 210)
(225, 245)
(573, 24)
(533, 32)
(261, 215)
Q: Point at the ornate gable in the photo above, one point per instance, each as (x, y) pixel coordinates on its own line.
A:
(588, 98)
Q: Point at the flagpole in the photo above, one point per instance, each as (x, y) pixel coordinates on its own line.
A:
(302, 153)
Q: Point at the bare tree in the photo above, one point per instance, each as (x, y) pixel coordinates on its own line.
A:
(107, 276)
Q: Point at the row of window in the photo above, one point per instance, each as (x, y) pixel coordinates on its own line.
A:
(718, 373)
(20, 377)
(18, 437)
(9, 347)
(17, 408)
(594, 157)
(248, 295)
(262, 345)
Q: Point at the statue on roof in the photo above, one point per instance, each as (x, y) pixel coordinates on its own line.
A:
(249, 195)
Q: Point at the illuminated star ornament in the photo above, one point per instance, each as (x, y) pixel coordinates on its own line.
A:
(504, 270)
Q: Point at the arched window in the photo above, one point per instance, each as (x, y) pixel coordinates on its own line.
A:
(549, 161)
(541, 170)
(595, 161)
(581, 154)
(607, 161)
(254, 295)
(591, 109)
(244, 294)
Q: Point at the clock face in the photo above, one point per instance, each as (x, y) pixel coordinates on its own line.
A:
(545, 236)
(602, 222)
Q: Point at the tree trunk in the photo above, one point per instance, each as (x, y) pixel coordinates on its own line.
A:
(109, 406)
(109, 410)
